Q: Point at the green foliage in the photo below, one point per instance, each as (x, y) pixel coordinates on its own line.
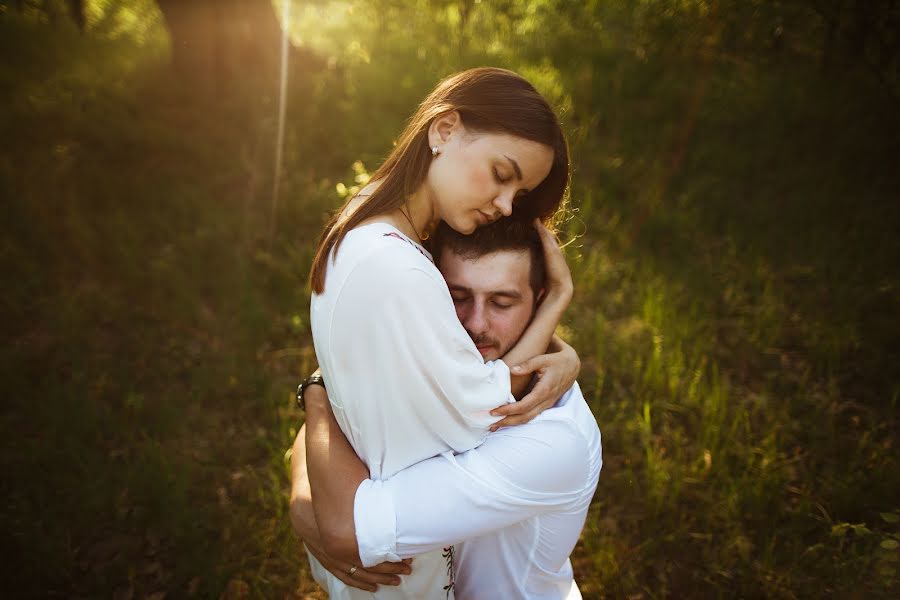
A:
(732, 238)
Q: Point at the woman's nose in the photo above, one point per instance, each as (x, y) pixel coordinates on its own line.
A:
(504, 203)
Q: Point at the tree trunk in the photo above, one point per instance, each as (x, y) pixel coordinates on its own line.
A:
(220, 44)
(76, 9)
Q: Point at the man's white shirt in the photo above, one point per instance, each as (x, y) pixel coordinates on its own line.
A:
(518, 503)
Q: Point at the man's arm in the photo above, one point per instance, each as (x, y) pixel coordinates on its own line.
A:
(513, 476)
(301, 510)
(335, 473)
(304, 521)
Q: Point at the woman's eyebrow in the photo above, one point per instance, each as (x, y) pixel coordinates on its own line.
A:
(515, 167)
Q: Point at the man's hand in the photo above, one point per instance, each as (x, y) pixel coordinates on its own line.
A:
(555, 373)
(387, 573)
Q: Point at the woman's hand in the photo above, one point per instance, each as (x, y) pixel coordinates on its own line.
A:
(558, 284)
(555, 373)
(387, 573)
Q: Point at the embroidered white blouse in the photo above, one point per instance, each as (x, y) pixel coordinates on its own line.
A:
(405, 381)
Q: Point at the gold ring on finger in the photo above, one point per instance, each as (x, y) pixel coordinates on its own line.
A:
(353, 570)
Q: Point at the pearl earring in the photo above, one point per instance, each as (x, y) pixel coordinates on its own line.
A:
(435, 150)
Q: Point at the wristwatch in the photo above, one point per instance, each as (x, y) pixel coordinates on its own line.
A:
(301, 389)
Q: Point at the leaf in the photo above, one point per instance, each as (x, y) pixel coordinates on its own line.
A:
(890, 544)
(890, 517)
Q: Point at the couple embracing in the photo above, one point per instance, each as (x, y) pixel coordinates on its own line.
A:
(448, 451)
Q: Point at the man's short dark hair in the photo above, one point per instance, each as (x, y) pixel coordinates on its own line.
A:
(504, 234)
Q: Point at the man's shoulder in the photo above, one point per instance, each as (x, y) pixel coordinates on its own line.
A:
(571, 425)
(572, 408)
(547, 456)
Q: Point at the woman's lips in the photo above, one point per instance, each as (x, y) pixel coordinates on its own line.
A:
(483, 218)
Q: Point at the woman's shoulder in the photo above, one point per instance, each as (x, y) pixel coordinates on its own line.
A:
(387, 275)
(380, 250)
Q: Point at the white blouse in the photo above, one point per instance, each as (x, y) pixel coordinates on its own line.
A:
(405, 380)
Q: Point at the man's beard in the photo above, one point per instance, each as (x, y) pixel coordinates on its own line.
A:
(485, 340)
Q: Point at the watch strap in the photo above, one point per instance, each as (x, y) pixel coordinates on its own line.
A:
(301, 389)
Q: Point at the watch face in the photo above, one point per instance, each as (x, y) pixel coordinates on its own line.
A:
(300, 395)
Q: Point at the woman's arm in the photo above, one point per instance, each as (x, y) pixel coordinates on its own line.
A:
(557, 295)
(552, 373)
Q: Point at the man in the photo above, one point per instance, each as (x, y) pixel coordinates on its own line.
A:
(519, 500)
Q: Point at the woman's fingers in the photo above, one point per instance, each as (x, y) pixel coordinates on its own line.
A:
(555, 374)
(545, 393)
(557, 270)
(525, 409)
(549, 242)
(531, 365)
(515, 420)
(533, 399)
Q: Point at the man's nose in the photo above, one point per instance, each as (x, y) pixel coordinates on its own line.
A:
(476, 321)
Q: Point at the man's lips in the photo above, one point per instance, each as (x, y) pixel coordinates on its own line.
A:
(485, 347)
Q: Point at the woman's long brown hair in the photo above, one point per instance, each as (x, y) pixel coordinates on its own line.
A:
(489, 100)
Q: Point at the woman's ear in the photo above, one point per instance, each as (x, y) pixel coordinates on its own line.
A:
(443, 127)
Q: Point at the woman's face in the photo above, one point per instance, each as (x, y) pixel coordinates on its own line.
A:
(477, 177)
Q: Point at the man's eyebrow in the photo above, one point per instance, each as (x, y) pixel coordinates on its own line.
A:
(515, 167)
(511, 294)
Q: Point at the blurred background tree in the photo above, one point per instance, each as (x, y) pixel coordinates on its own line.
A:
(734, 220)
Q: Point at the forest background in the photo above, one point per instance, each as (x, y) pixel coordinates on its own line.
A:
(733, 227)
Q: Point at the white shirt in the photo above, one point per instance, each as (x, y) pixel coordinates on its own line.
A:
(519, 501)
(405, 380)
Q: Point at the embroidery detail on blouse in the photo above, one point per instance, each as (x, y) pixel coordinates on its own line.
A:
(451, 582)
(400, 237)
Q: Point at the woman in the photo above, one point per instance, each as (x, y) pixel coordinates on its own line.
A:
(404, 378)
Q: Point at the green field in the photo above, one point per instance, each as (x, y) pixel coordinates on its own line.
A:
(733, 234)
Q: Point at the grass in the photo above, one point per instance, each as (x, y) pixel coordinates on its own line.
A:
(735, 317)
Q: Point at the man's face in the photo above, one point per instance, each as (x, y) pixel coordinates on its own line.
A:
(492, 295)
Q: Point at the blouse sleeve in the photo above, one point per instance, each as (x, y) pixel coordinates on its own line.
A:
(425, 375)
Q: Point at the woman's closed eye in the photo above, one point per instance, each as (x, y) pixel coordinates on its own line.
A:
(498, 177)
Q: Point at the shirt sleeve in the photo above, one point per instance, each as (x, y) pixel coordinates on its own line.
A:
(512, 477)
(428, 378)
